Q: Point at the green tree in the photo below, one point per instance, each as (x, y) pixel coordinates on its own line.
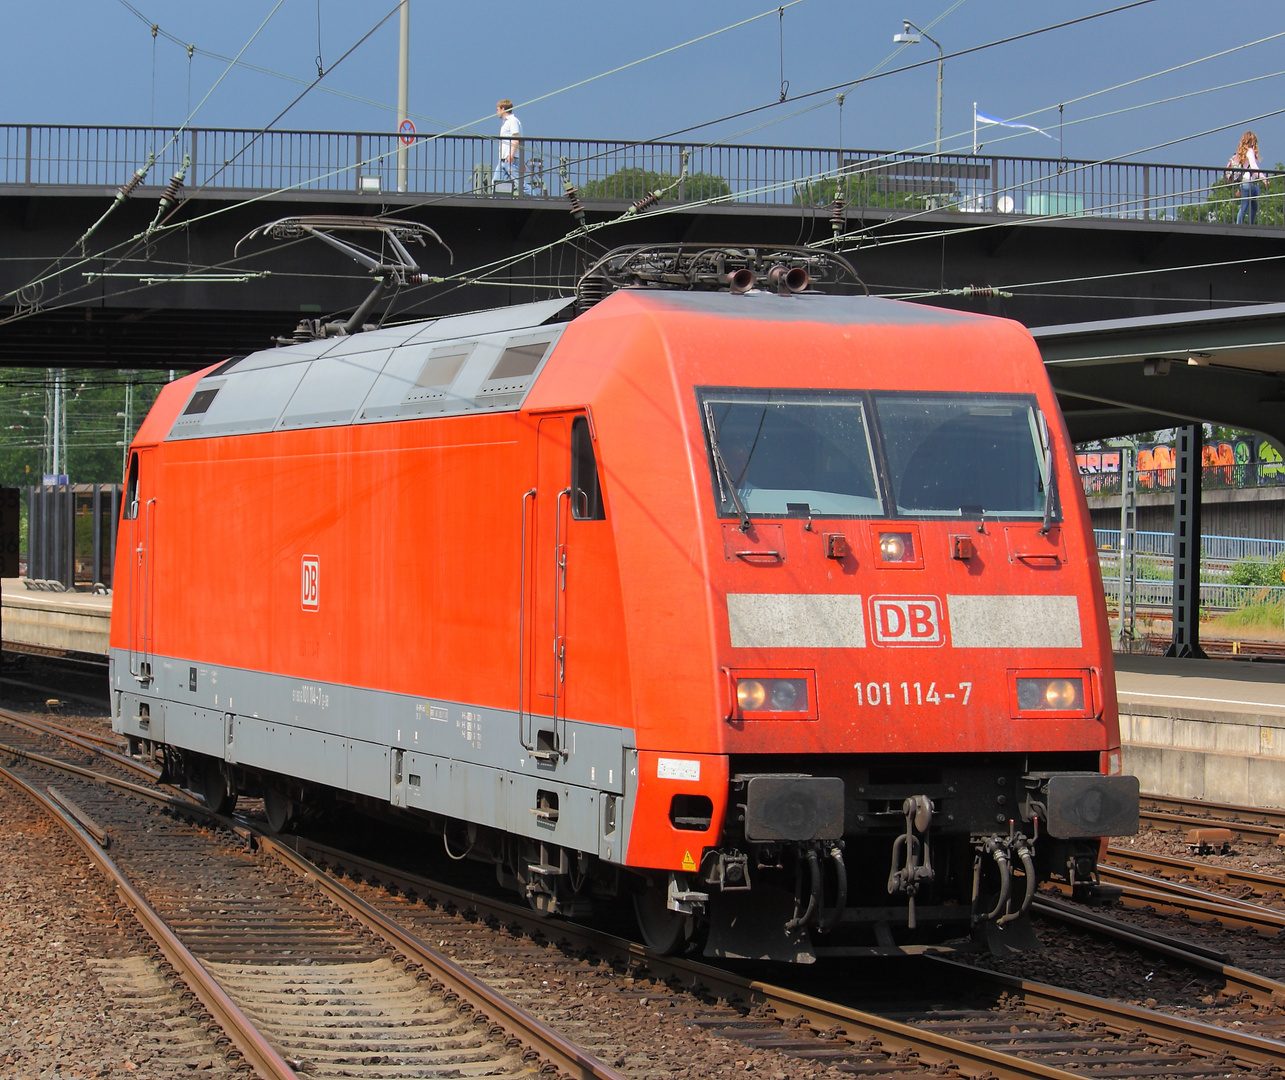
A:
(95, 400)
(634, 183)
(1223, 201)
(859, 189)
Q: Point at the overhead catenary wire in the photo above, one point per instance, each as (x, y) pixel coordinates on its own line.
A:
(1244, 121)
(157, 224)
(849, 84)
(478, 274)
(1069, 22)
(155, 153)
(311, 85)
(212, 55)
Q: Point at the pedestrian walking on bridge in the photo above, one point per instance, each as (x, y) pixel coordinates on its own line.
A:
(1245, 167)
(508, 169)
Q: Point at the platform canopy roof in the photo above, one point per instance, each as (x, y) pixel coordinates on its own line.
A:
(1122, 376)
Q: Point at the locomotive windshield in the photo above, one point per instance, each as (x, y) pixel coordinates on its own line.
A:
(961, 455)
(845, 453)
(791, 453)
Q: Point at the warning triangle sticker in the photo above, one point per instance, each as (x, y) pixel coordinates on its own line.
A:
(688, 862)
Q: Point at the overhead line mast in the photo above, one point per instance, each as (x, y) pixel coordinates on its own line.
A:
(403, 91)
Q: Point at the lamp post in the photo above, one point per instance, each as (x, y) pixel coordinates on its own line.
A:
(906, 37)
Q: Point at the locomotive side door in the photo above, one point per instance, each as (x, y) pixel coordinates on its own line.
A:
(139, 520)
(543, 728)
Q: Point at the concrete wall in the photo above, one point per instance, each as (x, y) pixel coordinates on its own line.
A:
(62, 622)
(1256, 512)
(1189, 753)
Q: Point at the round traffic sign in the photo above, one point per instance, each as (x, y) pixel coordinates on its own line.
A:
(407, 130)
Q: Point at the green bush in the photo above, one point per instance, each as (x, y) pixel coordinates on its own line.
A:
(634, 183)
(1258, 572)
(1151, 568)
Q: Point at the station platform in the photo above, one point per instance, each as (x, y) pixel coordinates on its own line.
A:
(1203, 729)
(54, 623)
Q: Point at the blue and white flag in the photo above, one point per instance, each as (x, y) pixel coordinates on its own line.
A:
(980, 117)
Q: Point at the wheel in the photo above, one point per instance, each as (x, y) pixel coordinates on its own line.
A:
(664, 931)
(278, 806)
(215, 789)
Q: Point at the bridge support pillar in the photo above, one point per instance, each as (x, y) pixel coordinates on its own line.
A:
(1186, 543)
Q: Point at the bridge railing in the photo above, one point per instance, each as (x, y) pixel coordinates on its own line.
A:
(40, 154)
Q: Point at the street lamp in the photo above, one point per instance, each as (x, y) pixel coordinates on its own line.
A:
(908, 38)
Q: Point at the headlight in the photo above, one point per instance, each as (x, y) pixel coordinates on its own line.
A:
(896, 547)
(772, 695)
(750, 694)
(1050, 695)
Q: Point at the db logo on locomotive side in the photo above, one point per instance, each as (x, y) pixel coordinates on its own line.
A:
(906, 620)
(310, 573)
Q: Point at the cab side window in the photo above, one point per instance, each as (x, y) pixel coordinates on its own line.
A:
(586, 491)
(130, 510)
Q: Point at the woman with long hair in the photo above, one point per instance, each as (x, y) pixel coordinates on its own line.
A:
(1246, 161)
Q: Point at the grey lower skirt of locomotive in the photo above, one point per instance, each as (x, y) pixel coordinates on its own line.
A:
(893, 854)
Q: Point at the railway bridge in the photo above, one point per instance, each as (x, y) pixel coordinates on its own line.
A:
(1044, 241)
(1151, 306)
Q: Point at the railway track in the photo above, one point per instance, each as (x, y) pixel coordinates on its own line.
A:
(1240, 913)
(1045, 1026)
(1013, 1029)
(303, 978)
(1251, 882)
(1163, 811)
(1216, 648)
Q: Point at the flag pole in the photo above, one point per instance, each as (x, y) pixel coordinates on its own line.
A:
(974, 127)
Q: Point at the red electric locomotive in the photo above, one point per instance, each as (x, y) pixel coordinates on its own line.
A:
(775, 609)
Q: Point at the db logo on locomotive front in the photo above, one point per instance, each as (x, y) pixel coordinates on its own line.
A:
(906, 620)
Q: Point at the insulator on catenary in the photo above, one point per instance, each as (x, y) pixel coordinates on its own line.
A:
(124, 193)
(981, 292)
(838, 218)
(175, 186)
(128, 190)
(573, 196)
(645, 203)
(171, 193)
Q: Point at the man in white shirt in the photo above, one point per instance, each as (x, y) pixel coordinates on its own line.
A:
(508, 170)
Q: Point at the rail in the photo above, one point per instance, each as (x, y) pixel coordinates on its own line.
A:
(517, 1022)
(462, 165)
(256, 1049)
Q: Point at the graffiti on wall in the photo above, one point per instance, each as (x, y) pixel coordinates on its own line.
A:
(1249, 462)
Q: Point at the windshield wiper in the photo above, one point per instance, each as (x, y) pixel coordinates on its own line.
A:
(1050, 478)
(722, 472)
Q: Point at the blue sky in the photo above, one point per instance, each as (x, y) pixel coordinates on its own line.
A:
(95, 62)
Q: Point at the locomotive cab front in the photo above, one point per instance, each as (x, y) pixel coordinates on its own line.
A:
(911, 665)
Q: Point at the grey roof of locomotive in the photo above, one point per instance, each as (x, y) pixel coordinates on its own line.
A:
(481, 362)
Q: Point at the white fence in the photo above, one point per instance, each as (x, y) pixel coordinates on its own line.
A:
(1220, 548)
(1213, 596)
